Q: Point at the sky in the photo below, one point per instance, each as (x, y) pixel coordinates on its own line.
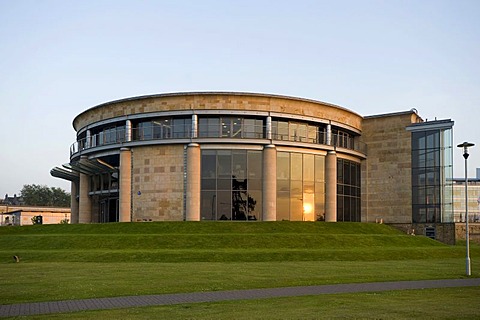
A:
(61, 57)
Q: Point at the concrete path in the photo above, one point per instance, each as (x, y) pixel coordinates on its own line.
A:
(25, 309)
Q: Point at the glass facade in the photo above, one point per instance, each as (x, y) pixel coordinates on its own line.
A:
(231, 185)
(348, 191)
(300, 186)
(432, 194)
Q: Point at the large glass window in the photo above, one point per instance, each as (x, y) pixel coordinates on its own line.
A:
(298, 131)
(300, 186)
(343, 139)
(108, 135)
(163, 128)
(253, 128)
(208, 127)
(231, 185)
(182, 127)
(431, 176)
(230, 127)
(348, 190)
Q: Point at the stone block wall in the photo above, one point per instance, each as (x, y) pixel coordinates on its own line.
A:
(157, 183)
(386, 173)
(444, 232)
(473, 231)
(220, 101)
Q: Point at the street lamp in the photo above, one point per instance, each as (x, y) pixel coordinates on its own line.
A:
(465, 147)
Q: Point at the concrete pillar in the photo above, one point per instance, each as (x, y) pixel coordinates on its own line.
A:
(268, 128)
(84, 201)
(194, 133)
(74, 202)
(125, 192)
(128, 131)
(269, 183)
(331, 187)
(193, 182)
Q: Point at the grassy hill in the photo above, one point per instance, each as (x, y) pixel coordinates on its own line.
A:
(59, 262)
(216, 242)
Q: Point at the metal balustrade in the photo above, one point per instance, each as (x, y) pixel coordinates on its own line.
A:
(253, 132)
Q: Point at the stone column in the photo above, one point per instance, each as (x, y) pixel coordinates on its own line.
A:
(84, 201)
(193, 183)
(269, 183)
(125, 175)
(331, 187)
(74, 202)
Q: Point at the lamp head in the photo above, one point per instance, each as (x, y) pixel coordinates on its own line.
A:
(465, 147)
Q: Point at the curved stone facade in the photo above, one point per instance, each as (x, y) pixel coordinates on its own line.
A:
(219, 101)
(216, 156)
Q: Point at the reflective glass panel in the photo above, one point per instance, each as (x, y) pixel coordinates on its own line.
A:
(319, 168)
(208, 184)
(296, 161)
(308, 167)
(236, 128)
(209, 164)
(283, 165)
(224, 165)
(239, 164)
(283, 206)
(224, 184)
(239, 184)
(296, 208)
(224, 205)
(239, 205)
(254, 164)
(254, 205)
(226, 127)
(255, 184)
(208, 205)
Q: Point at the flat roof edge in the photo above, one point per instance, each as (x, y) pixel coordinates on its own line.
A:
(393, 114)
(428, 125)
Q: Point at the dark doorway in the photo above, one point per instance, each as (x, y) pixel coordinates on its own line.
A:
(109, 209)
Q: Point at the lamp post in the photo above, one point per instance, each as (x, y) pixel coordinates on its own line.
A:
(465, 147)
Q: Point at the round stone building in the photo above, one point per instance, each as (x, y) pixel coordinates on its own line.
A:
(215, 156)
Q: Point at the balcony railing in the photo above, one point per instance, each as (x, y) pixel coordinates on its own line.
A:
(255, 132)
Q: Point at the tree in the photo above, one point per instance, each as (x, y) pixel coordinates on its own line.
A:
(41, 195)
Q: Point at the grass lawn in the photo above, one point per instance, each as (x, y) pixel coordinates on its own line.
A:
(59, 281)
(448, 303)
(60, 262)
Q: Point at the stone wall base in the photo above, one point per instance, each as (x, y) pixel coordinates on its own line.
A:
(443, 232)
(473, 233)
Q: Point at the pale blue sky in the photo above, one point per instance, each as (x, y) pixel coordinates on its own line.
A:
(58, 58)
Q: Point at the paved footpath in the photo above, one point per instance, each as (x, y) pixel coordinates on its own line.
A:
(25, 309)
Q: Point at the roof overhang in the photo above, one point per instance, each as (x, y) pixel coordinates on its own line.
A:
(71, 171)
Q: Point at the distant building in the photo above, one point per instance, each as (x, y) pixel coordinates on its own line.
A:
(15, 215)
(256, 157)
(473, 198)
(12, 201)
